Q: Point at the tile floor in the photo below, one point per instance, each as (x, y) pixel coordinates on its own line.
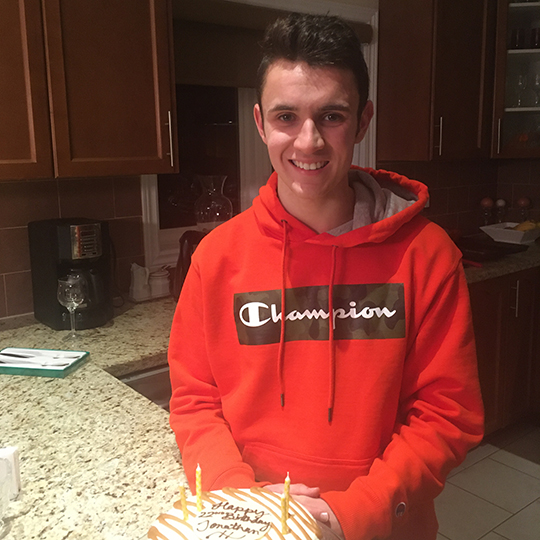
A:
(495, 493)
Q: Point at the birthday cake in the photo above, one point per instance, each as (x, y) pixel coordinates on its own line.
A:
(235, 514)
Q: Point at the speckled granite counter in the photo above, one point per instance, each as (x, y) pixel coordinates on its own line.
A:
(98, 460)
(507, 265)
(135, 339)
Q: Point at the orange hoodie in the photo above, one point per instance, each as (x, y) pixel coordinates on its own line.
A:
(370, 388)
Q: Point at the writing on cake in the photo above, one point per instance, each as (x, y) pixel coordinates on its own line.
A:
(233, 522)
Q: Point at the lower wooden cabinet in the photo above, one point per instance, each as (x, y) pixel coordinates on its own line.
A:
(506, 321)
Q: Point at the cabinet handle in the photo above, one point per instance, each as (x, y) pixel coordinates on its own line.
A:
(499, 136)
(440, 135)
(516, 308)
(170, 153)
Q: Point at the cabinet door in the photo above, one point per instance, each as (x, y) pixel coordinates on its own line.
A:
(488, 305)
(404, 87)
(520, 336)
(25, 148)
(110, 86)
(465, 34)
(432, 87)
(516, 110)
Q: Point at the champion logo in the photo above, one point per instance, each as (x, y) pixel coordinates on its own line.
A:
(250, 313)
(368, 311)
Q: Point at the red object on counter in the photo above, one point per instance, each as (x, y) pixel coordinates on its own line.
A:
(466, 262)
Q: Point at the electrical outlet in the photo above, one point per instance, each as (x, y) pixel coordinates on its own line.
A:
(11, 453)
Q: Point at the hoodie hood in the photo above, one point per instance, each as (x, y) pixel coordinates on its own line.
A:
(384, 202)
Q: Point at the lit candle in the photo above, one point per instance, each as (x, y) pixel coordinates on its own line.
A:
(284, 515)
(198, 487)
(183, 502)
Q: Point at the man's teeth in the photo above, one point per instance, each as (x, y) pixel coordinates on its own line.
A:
(310, 166)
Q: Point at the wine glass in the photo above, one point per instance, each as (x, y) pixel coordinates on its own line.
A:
(521, 86)
(536, 88)
(71, 294)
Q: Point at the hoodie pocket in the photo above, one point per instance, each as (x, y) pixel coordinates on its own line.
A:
(272, 464)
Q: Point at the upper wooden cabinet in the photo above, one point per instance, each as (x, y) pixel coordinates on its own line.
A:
(434, 88)
(25, 139)
(516, 111)
(110, 88)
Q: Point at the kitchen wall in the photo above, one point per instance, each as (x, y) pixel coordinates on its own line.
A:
(116, 200)
(457, 187)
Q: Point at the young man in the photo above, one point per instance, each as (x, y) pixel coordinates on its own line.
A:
(325, 332)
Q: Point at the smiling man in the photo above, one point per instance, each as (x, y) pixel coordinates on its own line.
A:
(326, 331)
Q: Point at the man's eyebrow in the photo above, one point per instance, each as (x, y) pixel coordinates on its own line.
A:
(330, 107)
(282, 107)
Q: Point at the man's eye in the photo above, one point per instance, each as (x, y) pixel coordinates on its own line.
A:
(286, 117)
(333, 117)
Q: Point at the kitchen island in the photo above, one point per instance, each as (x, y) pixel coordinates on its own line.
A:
(97, 459)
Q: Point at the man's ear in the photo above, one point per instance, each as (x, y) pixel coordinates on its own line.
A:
(365, 119)
(257, 114)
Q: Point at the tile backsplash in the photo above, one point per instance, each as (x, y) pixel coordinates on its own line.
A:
(457, 187)
(116, 200)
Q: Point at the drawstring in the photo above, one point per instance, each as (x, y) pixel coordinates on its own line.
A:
(332, 351)
(281, 352)
(331, 344)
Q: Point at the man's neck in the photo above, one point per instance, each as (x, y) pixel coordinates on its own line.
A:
(321, 216)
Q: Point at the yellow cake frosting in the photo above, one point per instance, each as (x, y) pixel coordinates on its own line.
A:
(235, 514)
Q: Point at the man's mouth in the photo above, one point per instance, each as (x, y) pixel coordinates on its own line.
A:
(309, 166)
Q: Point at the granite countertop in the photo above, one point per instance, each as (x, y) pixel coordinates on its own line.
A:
(136, 339)
(97, 459)
(507, 265)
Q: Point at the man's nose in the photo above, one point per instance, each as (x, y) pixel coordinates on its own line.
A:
(309, 138)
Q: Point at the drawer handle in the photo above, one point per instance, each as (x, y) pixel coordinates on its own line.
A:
(170, 153)
(516, 307)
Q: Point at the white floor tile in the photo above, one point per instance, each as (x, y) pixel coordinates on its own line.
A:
(463, 516)
(498, 484)
(493, 536)
(523, 454)
(525, 525)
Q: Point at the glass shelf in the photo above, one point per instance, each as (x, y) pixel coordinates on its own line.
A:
(521, 5)
(522, 110)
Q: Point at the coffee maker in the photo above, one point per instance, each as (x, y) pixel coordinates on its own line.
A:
(62, 246)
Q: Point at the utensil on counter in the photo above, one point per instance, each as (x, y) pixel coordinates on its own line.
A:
(4, 359)
(39, 354)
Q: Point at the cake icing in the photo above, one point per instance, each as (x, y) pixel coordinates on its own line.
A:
(235, 514)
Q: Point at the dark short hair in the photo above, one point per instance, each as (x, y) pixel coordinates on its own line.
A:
(317, 40)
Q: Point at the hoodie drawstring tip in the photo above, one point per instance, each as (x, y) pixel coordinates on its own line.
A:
(282, 400)
(330, 414)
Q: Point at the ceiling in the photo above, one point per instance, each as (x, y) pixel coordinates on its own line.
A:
(226, 13)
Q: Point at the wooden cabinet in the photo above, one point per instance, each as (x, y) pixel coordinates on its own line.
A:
(25, 139)
(434, 88)
(108, 71)
(505, 318)
(516, 109)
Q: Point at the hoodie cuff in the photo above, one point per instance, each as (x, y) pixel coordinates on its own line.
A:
(368, 516)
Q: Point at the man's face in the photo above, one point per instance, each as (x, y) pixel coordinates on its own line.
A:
(309, 121)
